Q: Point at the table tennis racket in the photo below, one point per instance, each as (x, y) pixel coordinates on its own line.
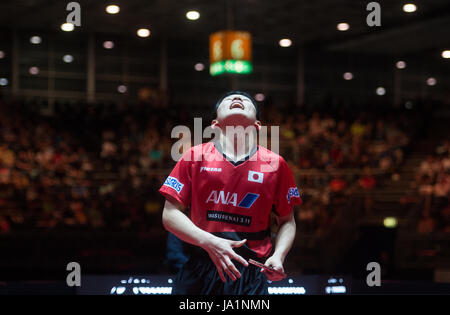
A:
(258, 264)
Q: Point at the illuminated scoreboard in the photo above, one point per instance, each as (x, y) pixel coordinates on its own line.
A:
(230, 52)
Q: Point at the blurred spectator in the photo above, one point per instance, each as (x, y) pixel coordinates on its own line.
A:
(4, 225)
(445, 215)
(337, 184)
(426, 224)
(367, 183)
(432, 184)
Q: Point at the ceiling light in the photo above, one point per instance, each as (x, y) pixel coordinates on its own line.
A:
(199, 66)
(108, 44)
(143, 32)
(67, 27)
(285, 42)
(343, 27)
(409, 7)
(348, 76)
(446, 54)
(34, 70)
(67, 58)
(381, 91)
(122, 89)
(400, 65)
(431, 81)
(35, 40)
(259, 97)
(193, 15)
(113, 9)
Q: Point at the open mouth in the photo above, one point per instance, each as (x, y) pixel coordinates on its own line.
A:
(237, 105)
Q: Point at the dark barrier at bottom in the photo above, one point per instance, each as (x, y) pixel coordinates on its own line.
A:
(163, 284)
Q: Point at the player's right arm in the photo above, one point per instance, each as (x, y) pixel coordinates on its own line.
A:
(177, 191)
(220, 250)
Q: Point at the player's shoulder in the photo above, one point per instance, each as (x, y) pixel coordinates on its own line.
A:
(202, 147)
(271, 158)
(266, 153)
(197, 152)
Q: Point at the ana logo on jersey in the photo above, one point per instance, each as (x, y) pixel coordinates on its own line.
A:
(256, 177)
(292, 192)
(231, 199)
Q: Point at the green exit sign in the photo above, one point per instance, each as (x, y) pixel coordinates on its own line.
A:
(230, 66)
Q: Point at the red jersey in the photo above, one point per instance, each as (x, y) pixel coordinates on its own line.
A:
(233, 200)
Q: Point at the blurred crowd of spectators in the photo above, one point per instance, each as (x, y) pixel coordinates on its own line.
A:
(368, 146)
(326, 142)
(100, 166)
(83, 166)
(431, 185)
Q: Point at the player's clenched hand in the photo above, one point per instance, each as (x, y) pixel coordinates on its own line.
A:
(276, 264)
(221, 252)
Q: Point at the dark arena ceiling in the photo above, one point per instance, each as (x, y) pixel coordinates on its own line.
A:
(305, 22)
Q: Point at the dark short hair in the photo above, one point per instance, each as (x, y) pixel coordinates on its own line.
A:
(238, 93)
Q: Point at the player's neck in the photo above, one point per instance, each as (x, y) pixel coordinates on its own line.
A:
(238, 146)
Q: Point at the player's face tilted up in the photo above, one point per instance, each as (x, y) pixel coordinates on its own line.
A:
(236, 110)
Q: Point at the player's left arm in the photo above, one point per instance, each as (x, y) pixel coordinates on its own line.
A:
(283, 243)
(286, 197)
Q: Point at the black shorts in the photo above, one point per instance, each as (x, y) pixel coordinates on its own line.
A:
(199, 276)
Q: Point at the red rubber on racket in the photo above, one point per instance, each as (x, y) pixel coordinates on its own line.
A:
(258, 264)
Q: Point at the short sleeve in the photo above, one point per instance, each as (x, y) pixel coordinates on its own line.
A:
(287, 193)
(178, 184)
